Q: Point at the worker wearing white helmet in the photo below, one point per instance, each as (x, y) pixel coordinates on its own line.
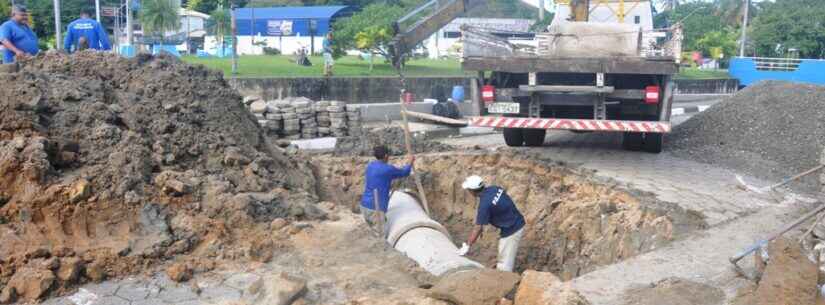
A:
(497, 209)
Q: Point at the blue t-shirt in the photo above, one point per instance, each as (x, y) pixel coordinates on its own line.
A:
(497, 209)
(21, 36)
(379, 176)
(89, 28)
(327, 45)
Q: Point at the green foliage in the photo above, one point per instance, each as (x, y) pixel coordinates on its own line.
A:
(731, 12)
(159, 16)
(791, 24)
(208, 6)
(697, 17)
(219, 23)
(505, 9)
(369, 30)
(271, 51)
(718, 43)
(5, 10)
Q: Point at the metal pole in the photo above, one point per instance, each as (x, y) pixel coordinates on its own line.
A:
(97, 10)
(57, 25)
(541, 10)
(129, 38)
(234, 40)
(744, 29)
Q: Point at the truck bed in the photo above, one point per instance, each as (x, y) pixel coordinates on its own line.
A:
(615, 65)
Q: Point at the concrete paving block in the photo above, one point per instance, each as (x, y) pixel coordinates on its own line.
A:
(221, 293)
(152, 301)
(103, 289)
(241, 281)
(134, 291)
(111, 300)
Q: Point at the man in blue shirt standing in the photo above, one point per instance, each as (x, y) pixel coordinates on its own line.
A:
(17, 37)
(497, 209)
(86, 29)
(378, 179)
(327, 50)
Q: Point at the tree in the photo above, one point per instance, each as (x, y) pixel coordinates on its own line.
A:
(369, 30)
(732, 12)
(790, 24)
(697, 19)
(220, 23)
(160, 16)
(719, 44)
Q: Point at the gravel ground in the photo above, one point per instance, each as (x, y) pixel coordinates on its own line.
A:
(771, 130)
(392, 137)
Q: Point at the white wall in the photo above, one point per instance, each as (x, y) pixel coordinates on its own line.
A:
(287, 44)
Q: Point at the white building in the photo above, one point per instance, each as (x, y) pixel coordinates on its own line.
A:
(446, 42)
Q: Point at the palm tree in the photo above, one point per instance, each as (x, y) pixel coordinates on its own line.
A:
(221, 21)
(732, 12)
(160, 16)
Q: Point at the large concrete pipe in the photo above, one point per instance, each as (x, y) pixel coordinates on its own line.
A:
(422, 239)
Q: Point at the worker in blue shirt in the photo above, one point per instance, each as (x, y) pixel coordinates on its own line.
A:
(326, 45)
(378, 179)
(495, 208)
(85, 29)
(17, 37)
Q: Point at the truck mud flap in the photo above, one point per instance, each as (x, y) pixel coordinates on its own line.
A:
(571, 124)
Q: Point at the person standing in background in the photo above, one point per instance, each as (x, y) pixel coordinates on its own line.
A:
(86, 32)
(327, 50)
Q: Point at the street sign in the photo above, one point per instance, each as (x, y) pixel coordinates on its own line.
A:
(108, 11)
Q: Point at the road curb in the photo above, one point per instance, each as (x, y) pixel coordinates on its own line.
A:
(689, 109)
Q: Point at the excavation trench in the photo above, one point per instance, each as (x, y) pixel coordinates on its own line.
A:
(575, 221)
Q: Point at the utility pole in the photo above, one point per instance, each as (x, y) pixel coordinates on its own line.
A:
(744, 28)
(541, 10)
(129, 26)
(234, 40)
(57, 39)
(97, 10)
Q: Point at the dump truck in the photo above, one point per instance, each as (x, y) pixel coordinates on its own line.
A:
(583, 75)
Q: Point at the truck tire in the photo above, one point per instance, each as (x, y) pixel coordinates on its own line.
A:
(534, 137)
(513, 137)
(632, 141)
(653, 142)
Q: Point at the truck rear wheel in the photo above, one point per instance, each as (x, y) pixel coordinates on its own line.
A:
(653, 142)
(513, 137)
(632, 141)
(534, 137)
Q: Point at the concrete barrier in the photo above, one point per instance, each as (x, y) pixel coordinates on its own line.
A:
(368, 90)
(348, 89)
(706, 86)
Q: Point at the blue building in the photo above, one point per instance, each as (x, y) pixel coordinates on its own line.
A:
(285, 28)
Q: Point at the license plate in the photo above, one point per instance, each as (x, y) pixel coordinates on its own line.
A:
(503, 108)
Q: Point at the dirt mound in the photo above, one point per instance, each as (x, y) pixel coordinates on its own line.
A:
(126, 162)
(769, 130)
(392, 137)
(575, 223)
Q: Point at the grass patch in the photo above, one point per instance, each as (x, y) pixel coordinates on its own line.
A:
(284, 66)
(695, 73)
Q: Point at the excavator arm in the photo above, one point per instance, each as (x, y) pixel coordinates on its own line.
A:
(442, 12)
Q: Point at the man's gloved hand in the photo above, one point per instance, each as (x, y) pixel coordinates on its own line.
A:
(464, 249)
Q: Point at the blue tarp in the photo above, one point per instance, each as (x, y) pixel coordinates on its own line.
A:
(287, 21)
(809, 71)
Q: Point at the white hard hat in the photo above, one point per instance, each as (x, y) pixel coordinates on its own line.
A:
(473, 183)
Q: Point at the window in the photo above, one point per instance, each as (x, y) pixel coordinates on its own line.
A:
(637, 19)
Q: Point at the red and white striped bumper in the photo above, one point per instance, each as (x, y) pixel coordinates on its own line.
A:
(571, 124)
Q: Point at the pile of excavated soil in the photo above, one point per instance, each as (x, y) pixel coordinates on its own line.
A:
(770, 130)
(392, 137)
(788, 278)
(575, 222)
(109, 166)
